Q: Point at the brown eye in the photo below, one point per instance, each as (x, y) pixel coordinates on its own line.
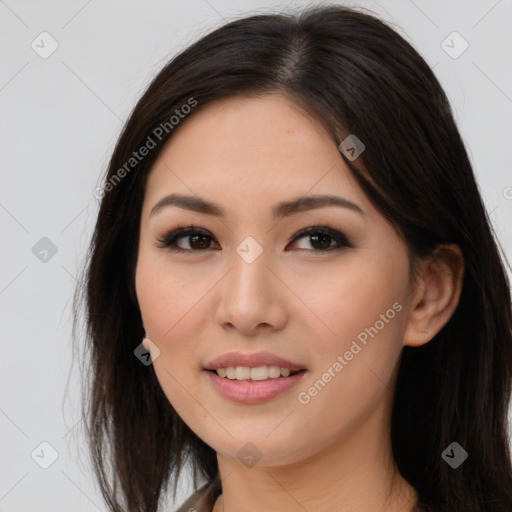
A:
(198, 240)
(321, 238)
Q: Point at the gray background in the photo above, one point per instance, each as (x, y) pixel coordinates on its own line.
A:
(61, 116)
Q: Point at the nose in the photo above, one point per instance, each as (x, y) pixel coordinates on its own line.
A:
(251, 298)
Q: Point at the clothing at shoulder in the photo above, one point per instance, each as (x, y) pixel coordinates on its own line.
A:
(201, 501)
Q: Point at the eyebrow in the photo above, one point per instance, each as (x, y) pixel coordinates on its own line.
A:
(280, 210)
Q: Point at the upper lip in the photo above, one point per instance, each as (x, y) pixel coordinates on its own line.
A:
(252, 360)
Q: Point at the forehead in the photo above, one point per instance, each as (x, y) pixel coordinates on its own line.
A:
(251, 149)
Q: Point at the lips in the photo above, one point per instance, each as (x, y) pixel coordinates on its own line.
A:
(253, 392)
(252, 360)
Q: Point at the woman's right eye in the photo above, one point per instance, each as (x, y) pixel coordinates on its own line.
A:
(198, 240)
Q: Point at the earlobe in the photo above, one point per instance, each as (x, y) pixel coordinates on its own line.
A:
(436, 295)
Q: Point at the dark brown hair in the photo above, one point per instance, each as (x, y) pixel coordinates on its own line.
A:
(355, 74)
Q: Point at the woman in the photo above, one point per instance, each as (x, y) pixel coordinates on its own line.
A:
(291, 232)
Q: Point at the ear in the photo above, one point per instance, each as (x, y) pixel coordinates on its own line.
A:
(436, 294)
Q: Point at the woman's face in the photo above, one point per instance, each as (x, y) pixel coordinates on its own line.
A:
(333, 302)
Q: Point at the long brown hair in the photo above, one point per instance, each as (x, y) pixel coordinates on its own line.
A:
(355, 74)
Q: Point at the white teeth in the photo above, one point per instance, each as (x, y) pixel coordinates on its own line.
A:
(258, 373)
(274, 372)
(242, 373)
(285, 372)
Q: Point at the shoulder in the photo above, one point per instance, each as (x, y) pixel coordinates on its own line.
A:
(201, 501)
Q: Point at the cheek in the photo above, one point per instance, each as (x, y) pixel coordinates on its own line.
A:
(174, 309)
(168, 313)
(168, 296)
(364, 309)
(354, 368)
(359, 297)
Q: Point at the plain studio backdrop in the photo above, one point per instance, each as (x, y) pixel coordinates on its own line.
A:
(71, 72)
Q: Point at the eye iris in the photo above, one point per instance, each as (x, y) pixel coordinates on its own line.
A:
(204, 238)
(322, 237)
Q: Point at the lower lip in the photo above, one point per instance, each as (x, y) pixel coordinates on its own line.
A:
(253, 392)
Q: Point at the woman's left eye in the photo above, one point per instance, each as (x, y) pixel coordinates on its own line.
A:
(320, 237)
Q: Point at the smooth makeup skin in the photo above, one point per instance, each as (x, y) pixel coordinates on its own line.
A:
(298, 300)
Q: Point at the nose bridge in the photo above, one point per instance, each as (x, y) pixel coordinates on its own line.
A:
(248, 296)
(250, 276)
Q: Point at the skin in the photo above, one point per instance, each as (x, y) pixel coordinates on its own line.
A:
(305, 305)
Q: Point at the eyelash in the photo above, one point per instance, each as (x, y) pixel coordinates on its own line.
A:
(168, 241)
